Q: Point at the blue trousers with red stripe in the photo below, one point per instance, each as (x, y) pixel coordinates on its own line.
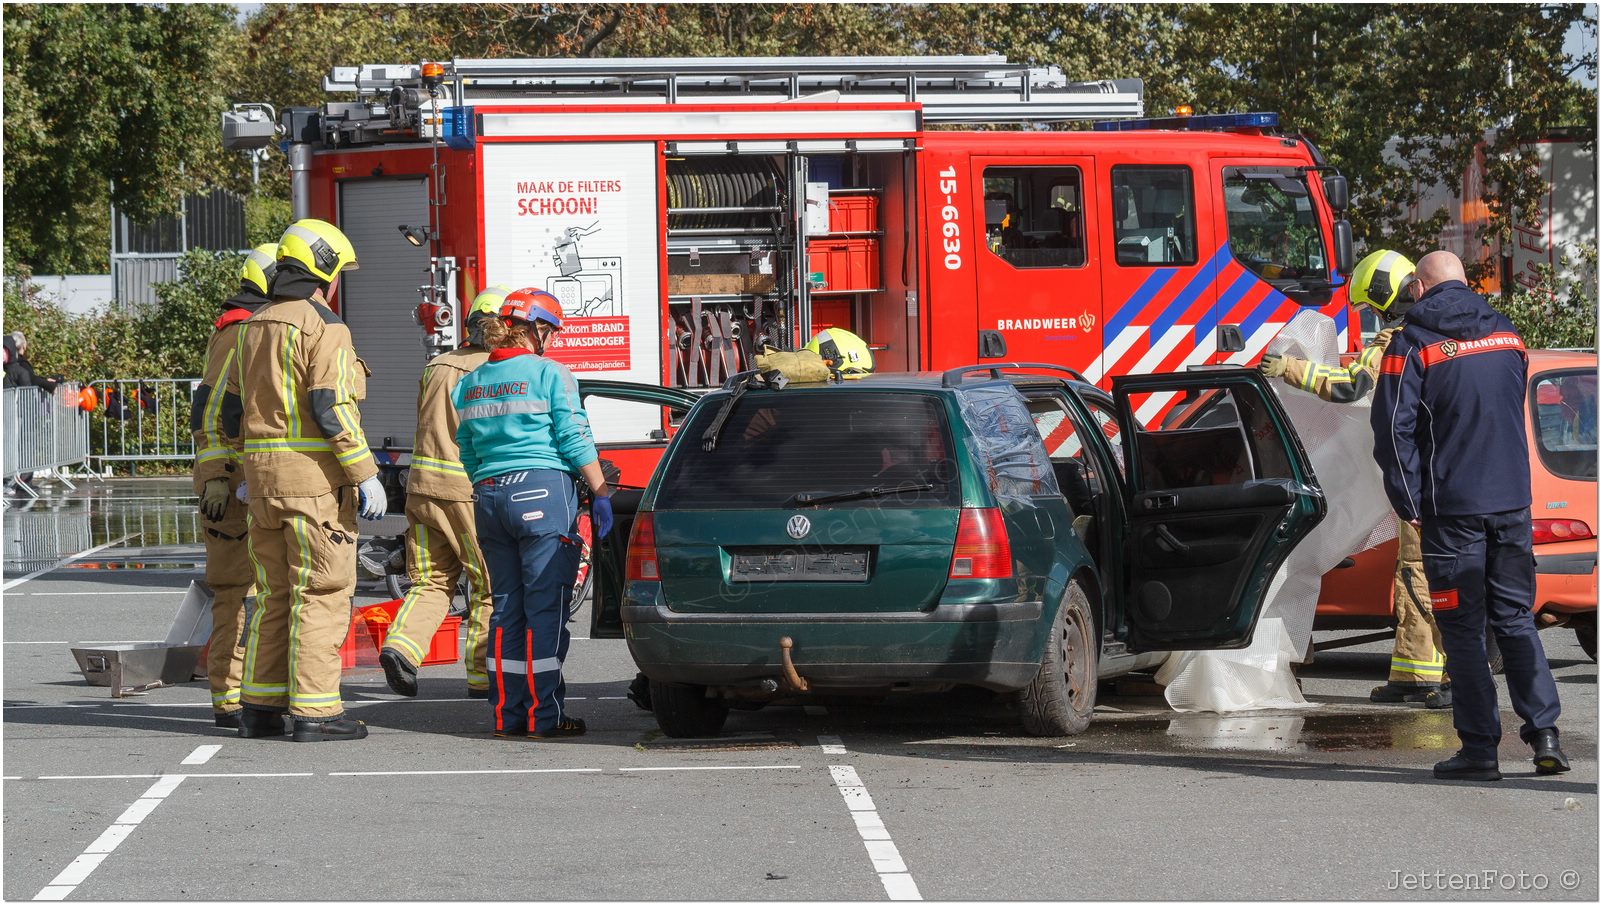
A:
(527, 530)
(1480, 571)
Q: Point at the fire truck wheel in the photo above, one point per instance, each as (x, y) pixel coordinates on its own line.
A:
(1060, 700)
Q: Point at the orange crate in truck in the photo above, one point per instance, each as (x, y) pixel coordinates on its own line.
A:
(853, 213)
(442, 650)
(846, 264)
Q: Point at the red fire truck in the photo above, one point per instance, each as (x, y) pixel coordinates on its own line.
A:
(687, 210)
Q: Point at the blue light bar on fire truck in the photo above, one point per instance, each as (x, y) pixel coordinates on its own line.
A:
(1218, 122)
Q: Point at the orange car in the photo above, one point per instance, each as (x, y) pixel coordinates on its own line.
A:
(1562, 453)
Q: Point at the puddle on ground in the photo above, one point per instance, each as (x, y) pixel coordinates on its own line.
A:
(1299, 733)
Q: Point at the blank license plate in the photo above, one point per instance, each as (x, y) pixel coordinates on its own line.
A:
(779, 565)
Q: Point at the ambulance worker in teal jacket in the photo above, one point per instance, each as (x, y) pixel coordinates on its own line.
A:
(525, 441)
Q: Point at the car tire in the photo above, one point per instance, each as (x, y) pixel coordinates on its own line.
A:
(1491, 646)
(684, 710)
(1584, 630)
(1060, 699)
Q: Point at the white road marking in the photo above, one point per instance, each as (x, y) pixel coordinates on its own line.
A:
(831, 746)
(368, 774)
(115, 592)
(119, 777)
(82, 867)
(711, 768)
(70, 642)
(257, 774)
(94, 777)
(885, 856)
(65, 561)
(202, 754)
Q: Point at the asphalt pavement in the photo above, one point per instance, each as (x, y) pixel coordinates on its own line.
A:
(918, 798)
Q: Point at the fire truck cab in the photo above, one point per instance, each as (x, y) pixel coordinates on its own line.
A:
(687, 211)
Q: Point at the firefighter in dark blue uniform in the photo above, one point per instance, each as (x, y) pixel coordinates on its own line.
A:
(1452, 442)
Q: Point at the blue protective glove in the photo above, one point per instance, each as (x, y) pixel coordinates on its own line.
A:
(373, 501)
(600, 513)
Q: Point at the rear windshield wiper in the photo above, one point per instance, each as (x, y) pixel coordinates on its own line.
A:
(822, 498)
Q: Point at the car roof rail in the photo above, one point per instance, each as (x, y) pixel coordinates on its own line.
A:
(955, 375)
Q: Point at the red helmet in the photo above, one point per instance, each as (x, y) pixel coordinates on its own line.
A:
(532, 304)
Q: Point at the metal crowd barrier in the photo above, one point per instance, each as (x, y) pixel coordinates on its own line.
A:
(43, 432)
(143, 420)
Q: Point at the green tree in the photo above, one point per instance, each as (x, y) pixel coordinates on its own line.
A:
(1436, 77)
(1559, 310)
(103, 103)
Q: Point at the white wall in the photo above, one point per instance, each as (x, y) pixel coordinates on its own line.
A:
(78, 294)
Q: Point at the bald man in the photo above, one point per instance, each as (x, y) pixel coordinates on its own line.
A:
(1452, 442)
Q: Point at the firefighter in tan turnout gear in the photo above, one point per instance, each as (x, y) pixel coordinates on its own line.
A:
(1383, 281)
(441, 535)
(308, 470)
(218, 473)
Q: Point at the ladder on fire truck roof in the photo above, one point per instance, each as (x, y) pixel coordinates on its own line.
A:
(950, 89)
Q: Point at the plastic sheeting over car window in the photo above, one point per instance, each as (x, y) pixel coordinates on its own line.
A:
(1338, 439)
(1015, 462)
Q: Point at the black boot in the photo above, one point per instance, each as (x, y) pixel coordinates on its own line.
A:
(342, 729)
(254, 724)
(1403, 692)
(1460, 768)
(477, 692)
(1547, 755)
(232, 720)
(400, 674)
(1442, 699)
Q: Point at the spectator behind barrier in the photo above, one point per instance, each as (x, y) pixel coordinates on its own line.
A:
(19, 371)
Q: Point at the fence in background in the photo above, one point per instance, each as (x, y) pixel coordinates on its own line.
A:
(43, 431)
(142, 421)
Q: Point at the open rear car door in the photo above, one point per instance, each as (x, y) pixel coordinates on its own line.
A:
(1218, 495)
(609, 556)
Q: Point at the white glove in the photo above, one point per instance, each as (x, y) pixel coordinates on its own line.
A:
(241, 494)
(374, 502)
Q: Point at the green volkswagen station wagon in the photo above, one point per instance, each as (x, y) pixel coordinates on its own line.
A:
(1010, 527)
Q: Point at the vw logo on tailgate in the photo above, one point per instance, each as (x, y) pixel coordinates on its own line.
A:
(799, 526)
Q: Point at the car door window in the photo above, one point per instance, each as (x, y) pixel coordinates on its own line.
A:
(1074, 466)
(1214, 441)
(1105, 417)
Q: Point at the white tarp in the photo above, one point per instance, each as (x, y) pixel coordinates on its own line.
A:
(1338, 438)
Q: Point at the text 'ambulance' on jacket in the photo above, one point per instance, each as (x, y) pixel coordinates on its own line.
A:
(520, 411)
(214, 413)
(436, 470)
(301, 380)
(1448, 416)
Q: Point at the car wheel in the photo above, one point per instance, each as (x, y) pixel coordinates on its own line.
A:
(1060, 700)
(1491, 645)
(684, 710)
(1584, 630)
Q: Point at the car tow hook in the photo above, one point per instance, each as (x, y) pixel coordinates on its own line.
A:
(790, 675)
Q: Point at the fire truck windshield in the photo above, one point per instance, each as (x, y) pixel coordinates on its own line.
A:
(1273, 228)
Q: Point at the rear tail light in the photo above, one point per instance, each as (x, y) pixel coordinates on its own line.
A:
(983, 550)
(1559, 530)
(642, 549)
